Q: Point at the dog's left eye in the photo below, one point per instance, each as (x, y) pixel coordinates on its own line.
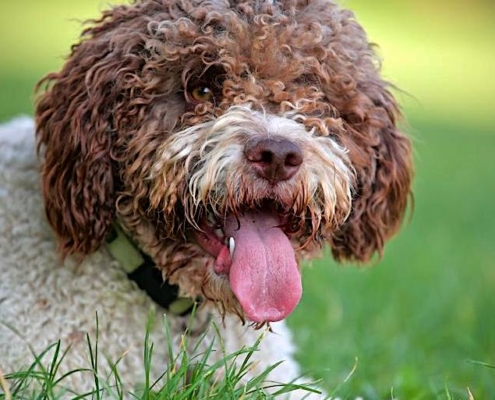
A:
(202, 94)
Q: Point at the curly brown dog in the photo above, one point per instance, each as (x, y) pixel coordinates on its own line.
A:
(228, 141)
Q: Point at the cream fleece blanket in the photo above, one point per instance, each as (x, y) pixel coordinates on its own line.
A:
(43, 300)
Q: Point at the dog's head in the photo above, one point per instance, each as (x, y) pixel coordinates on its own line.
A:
(230, 138)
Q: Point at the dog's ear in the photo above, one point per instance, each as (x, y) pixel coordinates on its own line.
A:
(74, 133)
(381, 156)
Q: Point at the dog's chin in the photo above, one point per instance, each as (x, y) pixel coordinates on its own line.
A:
(253, 255)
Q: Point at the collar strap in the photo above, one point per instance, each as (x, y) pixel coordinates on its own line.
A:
(141, 269)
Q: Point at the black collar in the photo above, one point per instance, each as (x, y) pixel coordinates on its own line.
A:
(141, 269)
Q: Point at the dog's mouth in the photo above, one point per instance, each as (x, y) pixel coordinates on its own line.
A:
(253, 250)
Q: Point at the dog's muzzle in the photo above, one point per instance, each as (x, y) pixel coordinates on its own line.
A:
(252, 187)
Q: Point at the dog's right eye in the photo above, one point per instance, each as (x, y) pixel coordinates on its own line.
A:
(202, 94)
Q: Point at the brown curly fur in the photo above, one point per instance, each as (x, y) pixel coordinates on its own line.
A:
(108, 129)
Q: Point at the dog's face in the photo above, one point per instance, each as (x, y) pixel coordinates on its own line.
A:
(230, 139)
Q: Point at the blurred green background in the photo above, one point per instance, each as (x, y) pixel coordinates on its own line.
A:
(421, 321)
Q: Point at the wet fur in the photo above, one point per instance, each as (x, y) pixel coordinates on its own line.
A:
(121, 137)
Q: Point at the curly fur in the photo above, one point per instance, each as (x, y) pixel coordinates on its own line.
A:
(124, 137)
(122, 104)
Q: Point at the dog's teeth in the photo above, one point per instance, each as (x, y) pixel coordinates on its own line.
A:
(231, 246)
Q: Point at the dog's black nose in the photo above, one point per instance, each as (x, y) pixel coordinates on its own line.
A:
(274, 159)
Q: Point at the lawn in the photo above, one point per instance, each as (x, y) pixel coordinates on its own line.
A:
(422, 320)
(417, 319)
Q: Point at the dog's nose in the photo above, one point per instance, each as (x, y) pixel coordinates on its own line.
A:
(274, 159)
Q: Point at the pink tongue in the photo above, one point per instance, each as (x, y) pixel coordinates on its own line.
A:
(264, 275)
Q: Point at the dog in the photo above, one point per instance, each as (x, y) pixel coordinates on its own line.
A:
(194, 152)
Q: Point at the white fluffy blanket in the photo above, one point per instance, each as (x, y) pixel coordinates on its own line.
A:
(43, 300)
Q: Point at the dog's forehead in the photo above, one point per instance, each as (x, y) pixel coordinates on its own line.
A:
(251, 8)
(263, 34)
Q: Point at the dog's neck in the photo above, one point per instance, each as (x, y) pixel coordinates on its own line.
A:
(140, 268)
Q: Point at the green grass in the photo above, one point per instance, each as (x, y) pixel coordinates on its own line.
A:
(421, 323)
(187, 377)
(415, 320)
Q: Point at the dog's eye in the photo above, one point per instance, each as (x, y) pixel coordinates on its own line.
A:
(202, 94)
